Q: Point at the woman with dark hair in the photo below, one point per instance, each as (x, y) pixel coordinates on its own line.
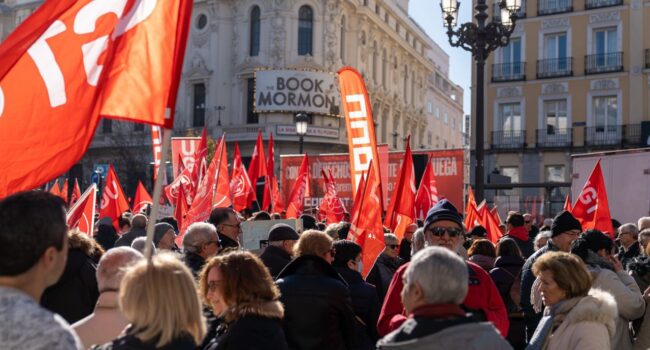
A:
(482, 253)
(506, 275)
(594, 248)
(106, 234)
(365, 300)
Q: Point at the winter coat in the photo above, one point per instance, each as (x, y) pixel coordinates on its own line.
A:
(589, 325)
(628, 299)
(226, 243)
(194, 262)
(254, 325)
(643, 334)
(103, 325)
(524, 242)
(317, 305)
(405, 250)
(457, 331)
(128, 341)
(106, 236)
(126, 239)
(627, 256)
(482, 298)
(382, 273)
(503, 274)
(275, 259)
(484, 261)
(366, 305)
(527, 279)
(75, 294)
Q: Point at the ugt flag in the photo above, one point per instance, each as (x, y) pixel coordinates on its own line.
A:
(71, 63)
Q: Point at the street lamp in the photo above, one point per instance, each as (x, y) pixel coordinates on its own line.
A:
(301, 127)
(219, 109)
(480, 38)
(395, 134)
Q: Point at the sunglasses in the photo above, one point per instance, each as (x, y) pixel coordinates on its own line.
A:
(440, 231)
(392, 246)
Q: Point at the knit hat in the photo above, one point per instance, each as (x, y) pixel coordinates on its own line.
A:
(563, 222)
(478, 230)
(159, 231)
(443, 210)
(282, 232)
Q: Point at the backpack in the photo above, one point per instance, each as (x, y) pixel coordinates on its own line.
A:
(513, 305)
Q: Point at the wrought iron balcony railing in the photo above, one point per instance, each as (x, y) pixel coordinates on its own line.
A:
(549, 7)
(553, 137)
(604, 63)
(513, 71)
(594, 4)
(555, 67)
(508, 139)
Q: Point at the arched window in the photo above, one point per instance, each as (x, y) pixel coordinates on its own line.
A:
(254, 49)
(343, 39)
(305, 30)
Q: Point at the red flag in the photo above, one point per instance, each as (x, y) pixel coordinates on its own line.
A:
(181, 163)
(401, 209)
(183, 180)
(495, 215)
(240, 185)
(213, 192)
(64, 191)
(76, 193)
(427, 195)
(567, 204)
(156, 145)
(55, 189)
(142, 199)
(180, 209)
(299, 191)
(82, 213)
(331, 208)
(592, 207)
(69, 64)
(471, 212)
(271, 191)
(257, 166)
(189, 177)
(491, 226)
(366, 229)
(113, 199)
(358, 200)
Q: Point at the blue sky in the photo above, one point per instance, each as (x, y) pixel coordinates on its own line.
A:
(428, 15)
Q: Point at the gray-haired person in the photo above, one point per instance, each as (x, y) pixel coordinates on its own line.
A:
(200, 243)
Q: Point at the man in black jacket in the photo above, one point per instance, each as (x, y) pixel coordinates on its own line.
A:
(628, 235)
(228, 227)
(138, 229)
(277, 255)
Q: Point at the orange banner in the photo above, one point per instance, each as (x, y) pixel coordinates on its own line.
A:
(360, 127)
(185, 147)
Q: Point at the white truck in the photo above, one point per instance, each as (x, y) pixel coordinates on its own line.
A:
(627, 179)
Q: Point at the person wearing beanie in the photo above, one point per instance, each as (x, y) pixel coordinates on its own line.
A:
(278, 253)
(477, 232)
(106, 234)
(564, 230)
(443, 227)
(308, 222)
(516, 230)
(164, 236)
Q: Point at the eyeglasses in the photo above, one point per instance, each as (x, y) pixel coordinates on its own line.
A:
(440, 231)
(392, 246)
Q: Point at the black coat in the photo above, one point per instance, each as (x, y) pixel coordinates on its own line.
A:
(275, 259)
(382, 273)
(366, 305)
(106, 236)
(503, 274)
(226, 242)
(131, 342)
(628, 256)
(318, 312)
(75, 294)
(194, 262)
(126, 239)
(405, 250)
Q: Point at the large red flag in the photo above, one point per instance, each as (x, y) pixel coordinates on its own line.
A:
(240, 185)
(113, 199)
(74, 61)
(491, 225)
(366, 229)
(213, 192)
(257, 166)
(82, 213)
(401, 209)
(358, 200)
(331, 208)
(592, 207)
(180, 209)
(427, 195)
(299, 191)
(471, 212)
(567, 203)
(495, 214)
(141, 199)
(272, 197)
(76, 192)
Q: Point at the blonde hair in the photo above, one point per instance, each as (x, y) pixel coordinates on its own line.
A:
(159, 298)
(313, 242)
(569, 272)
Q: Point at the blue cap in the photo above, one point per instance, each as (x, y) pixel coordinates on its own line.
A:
(443, 210)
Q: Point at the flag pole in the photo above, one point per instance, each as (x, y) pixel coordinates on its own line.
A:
(157, 191)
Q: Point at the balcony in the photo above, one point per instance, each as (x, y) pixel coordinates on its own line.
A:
(647, 58)
(594, 4)
(632, 135)
(614, 135)
(554, 138)
(604, 63)
(508, 139)
(555, 67)
(549, 7)
(514, 71)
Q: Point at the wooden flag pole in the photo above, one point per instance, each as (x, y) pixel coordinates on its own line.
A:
(157, 192)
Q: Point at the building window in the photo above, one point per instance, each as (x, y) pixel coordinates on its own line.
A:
(107, 126)
(605, 45)
(446, 118)
(555, 113)
(555, 173)
(511, 64)
(305, 30)
(138, 127)
(512, 172)
(198, 110)
(509, 117)
(605, 112)
(429, 107)
(201, 21)
(251, 116)
(437, 113)
(556, 45)
(254, 49)
(342, 39)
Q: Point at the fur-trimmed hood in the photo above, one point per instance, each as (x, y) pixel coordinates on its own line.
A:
(599, 306)
(267, 309)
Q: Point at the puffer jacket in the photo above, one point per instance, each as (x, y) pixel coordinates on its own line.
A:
(317, 306)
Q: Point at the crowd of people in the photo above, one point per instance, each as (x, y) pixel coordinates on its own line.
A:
(439, 287)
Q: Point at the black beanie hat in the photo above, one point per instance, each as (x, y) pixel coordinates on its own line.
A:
(443, 210)
(308, 222)
(563, 222)
(478, 230)
(282, 232)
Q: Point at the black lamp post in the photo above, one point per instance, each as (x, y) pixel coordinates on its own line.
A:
(219, 109)
(302, 120)
(480, 38)
(395, 134)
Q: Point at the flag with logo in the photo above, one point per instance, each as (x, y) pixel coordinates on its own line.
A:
(331, 208)
(76, 193)
(240, 185)
(592, 206)
(427, 195)
(300, 191)
(141, 200)
(114, 201)
(272, 198)
(82, 214)
(401, 209)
